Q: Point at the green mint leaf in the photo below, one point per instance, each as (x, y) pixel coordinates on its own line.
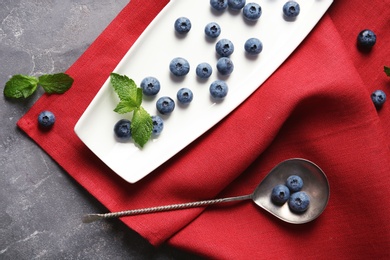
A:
(387, 71)
(141, 126)
(129, 94)
(20, 86)
(126, 106)
(55, 83)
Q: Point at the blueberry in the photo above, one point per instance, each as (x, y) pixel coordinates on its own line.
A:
(185, 95)
(122, 129)
(46, 119)
(165, 105)
(280, 194)
(158, 125)
(299, 202)
(378, 97)
(179, 67)
(291, 9)
(225, 66)
(224, 47)
(212, 30)
(252, 11)
(253, 46)
(294, 183)
(218, 89)
(204, 70)
(219, 5)
(182, 25)
(150, 86)
(366, 39)
(236, 4)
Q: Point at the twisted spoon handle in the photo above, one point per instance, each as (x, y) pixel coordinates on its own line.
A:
(93, 217)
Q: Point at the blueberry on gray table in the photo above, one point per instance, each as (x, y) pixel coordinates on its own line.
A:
(236, 4)
(165, 105)
(179, 66)
(182, 25)
(294, 183)
(46, 119)
(150, 86)
(224, 47)
(219, 5)
(225, 66)
(204, 70)
(299, 202)
(212, 30)
(158, 125)
(184, 95)
(291, 9)
(252, 11)
(218, 89)
(122, 129)
(366, 39)
(378, 97)
(280, 194)
(253, 46)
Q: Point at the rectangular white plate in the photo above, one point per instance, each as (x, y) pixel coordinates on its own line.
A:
(151, 55)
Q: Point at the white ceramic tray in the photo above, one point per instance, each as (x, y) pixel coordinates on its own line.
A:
(151, 55)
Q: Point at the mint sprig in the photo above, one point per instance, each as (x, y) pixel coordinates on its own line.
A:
(387, 71)
(23, 86)
(130, 100)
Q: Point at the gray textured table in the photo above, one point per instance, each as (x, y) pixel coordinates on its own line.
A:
(41, 205)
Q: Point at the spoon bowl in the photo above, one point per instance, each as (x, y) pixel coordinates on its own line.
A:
(316, 185)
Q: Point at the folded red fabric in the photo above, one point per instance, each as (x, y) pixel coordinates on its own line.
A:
(316, 106)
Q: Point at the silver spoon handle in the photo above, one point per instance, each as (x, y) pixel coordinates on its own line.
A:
(93, 217)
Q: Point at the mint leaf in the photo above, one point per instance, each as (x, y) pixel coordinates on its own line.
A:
(141, 126)
(130, 104)
(129, 95)
(20, 86)
(387, 71)
(55, 83)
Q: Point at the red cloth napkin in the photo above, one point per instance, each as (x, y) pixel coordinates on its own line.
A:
(316, 106)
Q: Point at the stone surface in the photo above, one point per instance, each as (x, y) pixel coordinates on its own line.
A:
(41, 206)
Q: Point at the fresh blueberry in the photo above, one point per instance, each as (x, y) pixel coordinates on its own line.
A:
(218, 89)
(253, 46)
(158, 125)
(299, 202)
(150, 86)
(291, 9)
(225, 66)
(224, 47)
(122, 129)
(378, 97)
(212, 30)
(185, 95)
(182, 25)
(280, 194)
(252, 11)
(236, 4)
(294, 183)
(165, 105)
(179, 67)
(219, 5)
(204, 70)
(366, 39)
(46, 119)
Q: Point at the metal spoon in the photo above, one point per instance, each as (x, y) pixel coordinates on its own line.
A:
(315, 185)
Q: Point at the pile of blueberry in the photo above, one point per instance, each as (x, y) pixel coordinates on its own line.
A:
(298, 201)
(180, 67)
